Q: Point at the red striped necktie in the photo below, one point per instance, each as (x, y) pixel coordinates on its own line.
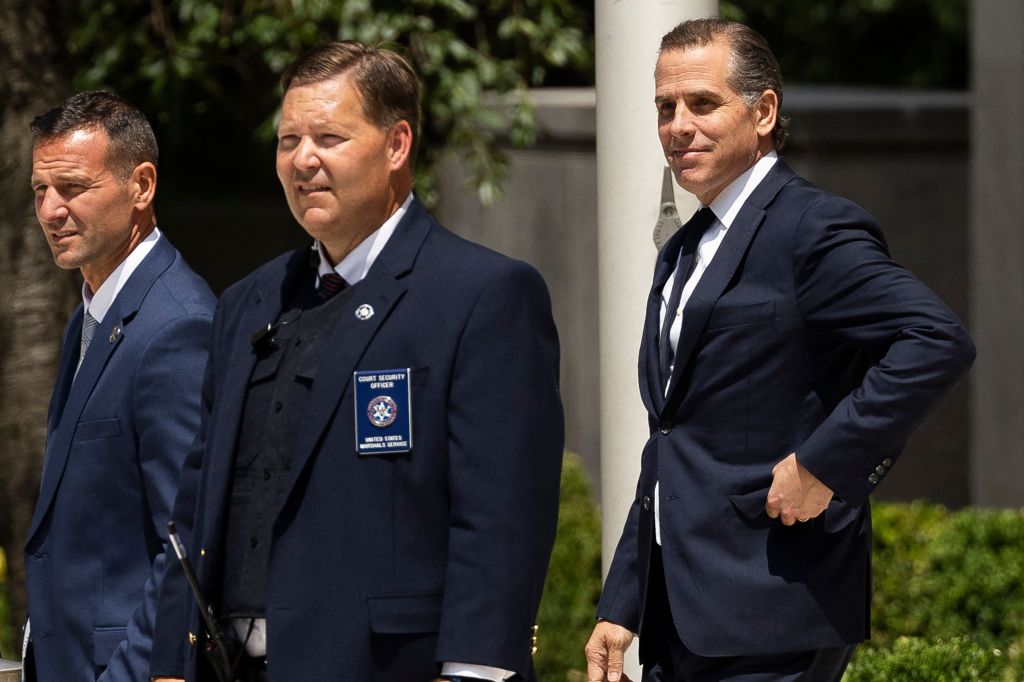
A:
(330, 284)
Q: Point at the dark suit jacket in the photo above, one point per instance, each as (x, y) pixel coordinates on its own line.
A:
(116, 439)
(383, 565)
(802, 336)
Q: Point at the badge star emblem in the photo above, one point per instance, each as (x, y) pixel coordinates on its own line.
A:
(382, 411)
(364, 312)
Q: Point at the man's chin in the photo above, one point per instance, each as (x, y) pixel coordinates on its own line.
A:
(317, 223)
(66, 260)
(686, 178)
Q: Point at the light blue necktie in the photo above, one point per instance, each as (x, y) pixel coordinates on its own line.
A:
(89, 325)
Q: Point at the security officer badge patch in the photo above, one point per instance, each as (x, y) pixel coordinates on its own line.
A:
(383, 411)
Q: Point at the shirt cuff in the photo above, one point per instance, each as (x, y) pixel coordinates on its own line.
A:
(480, 672)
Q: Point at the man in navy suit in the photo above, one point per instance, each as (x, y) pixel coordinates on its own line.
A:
(383, 433)
(785, 361)
(126, 404)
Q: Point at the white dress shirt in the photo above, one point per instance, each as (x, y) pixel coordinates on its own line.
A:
(354, 268)
(726, 206)
(99, 302)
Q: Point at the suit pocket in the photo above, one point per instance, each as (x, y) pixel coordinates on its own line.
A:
(405, 614)
(98, 428)
(105, 641)
(751, 504)
(420, 375)
(737, 315)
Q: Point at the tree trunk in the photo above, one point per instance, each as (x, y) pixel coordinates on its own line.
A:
(36, 297)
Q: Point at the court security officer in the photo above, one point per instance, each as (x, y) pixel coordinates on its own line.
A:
(383, 434)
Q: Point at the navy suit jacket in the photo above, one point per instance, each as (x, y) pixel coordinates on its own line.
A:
(803, 336)
(381, 566)
(116, 439)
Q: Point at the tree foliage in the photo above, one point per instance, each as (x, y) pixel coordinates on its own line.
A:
(207, 71)
(906, 43)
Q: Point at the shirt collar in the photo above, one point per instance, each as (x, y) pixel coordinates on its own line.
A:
(726, 206)
(355, 266)
(99, 303)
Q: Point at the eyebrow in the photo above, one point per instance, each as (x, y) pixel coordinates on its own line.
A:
(69, 177)
(689, 94)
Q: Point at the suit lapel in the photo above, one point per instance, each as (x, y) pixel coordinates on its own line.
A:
(66, 372)
(382, 289)
(107, 338)
(719, 273)
(260, 306)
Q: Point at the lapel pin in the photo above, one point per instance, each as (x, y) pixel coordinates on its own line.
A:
(115, 334)
(364, 312)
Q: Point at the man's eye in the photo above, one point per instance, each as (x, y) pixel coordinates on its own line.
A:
(287, 142)
(330, 139)
(666, 109)
(70, 189)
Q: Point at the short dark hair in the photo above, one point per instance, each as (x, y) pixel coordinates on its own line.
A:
(752, 66)
(131, 138)
(387, 82)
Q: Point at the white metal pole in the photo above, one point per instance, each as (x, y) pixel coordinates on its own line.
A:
(996, 248)
(629, 173)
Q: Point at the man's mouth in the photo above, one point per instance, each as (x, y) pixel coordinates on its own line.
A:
(306, 189)
(685, 156)
(62, 235)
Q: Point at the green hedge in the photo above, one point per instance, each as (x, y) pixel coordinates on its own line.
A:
(948, 599)
(911, 659)
(949, 595)
(948, 592)
(574, 581)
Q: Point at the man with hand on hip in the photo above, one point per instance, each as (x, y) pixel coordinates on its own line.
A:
(785, 361)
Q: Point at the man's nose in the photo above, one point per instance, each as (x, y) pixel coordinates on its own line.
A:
(682, 122)
(306, 157)
(51, 208)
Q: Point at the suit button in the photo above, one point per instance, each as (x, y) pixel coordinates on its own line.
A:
(647, 503)
(887, 463)
(665, 428)
(880, 470)
(253, 542)
(873, 479)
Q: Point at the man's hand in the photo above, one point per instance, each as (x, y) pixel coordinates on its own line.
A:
(605, 651)
(796, 494)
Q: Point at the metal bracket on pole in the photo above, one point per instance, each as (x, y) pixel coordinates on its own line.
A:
(668, 216)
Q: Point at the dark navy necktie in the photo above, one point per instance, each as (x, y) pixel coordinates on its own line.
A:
(695, 229)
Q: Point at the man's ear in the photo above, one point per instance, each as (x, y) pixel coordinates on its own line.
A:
(142, 185)
(400, 144)
(766, 113)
